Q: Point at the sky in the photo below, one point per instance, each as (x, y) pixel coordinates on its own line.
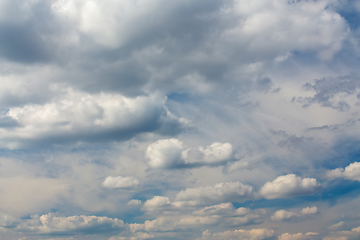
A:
(194, 120)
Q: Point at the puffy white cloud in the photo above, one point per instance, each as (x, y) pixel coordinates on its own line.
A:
(120, 182)
(253, 234)
(351, 172)
(165, 153)
(85, 117)
(288, 186)
(309, 210)
(282, 215)
(297, 236)
(221, 192)
(171, 153)
(51, 223)
(156, 202)
(217, 152)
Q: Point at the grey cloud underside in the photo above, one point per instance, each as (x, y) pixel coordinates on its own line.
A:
(326, 89)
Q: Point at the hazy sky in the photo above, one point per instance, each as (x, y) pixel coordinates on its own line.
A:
(180, 119)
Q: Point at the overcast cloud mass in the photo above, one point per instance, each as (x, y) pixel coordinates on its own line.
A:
(195, 120)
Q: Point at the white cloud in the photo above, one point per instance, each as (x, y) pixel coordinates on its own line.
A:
(351, 172)
(120, 182)
(165, 153)
(84, 117)
(217, 152)
(136, 236)
(309, 210)
(253, 234)
(223, 209)
(337, 226)
(221, 192)
(298, 236)
(156, 202)
(282, 215)
(51, 223)
(171, 153)
(288, 186)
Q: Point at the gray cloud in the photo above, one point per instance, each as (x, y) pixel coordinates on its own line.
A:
(328, 88)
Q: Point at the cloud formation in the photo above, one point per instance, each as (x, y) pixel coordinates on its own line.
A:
(221, 192)
(288, 186)
(282, 215)
(120, 182)
(53, 224)
(85, 117)
(171, 153)
(351, 172)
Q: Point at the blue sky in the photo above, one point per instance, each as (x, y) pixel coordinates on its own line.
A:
(199, 120)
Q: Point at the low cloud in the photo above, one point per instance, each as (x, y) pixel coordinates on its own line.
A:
(53, 224)
(221, 192)
(353, 234)
(120, 182)
(155, 203)
(88, 117)
(333, 92)
(288, 186)
(298, 236)
(351, 172)
(282, 215)
(171, 153)
(253, 234)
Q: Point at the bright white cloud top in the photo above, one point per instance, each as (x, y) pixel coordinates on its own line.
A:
(156, 119)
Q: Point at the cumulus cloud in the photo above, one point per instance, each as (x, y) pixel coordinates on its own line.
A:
(309, 210)
(288, 186)
(51, 224)
(223, 209)
(171, 153)
(337, 226)
(351, 172)
(253, 234)
(221, 192)
(282, 215)
(217, 152)
(120, 182)
(165, 153)
(352, 234)
(84, 117)
(298, 236)
(156, 202)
